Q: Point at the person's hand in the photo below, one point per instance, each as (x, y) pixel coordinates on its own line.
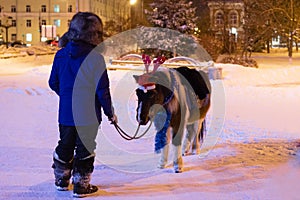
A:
(113, 119)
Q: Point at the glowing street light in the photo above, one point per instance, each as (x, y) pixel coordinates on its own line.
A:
(6, 25)
(136, 13)
(132, 2)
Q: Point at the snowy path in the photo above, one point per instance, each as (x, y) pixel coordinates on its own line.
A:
(255, 155)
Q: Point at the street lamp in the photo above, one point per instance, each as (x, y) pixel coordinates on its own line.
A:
(6, 25)
(132, 2)
(135, 6)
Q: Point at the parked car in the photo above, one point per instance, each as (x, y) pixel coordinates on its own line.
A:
(18, 43)
(52, 43)
(48, 42)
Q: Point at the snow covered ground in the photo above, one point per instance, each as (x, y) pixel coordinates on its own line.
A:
(250, 151)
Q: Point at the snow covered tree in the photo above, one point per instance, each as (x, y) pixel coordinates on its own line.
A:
(284, 18)
(116, 25)
(258, 29)
(267, 19)
(177, 15)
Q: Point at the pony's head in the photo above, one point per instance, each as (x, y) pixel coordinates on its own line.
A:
(149, 91)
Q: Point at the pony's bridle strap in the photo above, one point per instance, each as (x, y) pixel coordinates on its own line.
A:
(168, 98)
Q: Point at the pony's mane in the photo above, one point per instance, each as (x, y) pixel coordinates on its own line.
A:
(163, 78)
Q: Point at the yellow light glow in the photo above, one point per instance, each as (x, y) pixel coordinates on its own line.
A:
(132, 2)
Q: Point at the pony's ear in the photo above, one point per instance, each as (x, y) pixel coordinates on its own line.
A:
(136, 77)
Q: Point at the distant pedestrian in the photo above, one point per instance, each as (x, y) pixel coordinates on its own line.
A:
(79, 77)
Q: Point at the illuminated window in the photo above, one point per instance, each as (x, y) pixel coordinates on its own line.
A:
(44, 22)
(57, 22)
(28, 37)
(56, 8)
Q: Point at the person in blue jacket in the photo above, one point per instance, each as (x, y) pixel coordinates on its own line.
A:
(79, 77)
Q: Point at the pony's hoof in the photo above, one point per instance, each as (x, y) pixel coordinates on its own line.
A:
(196, 151)
(178, 169)
(187, 154)
(159, 166)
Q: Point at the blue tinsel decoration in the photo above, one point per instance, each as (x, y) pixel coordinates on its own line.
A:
(161, 135)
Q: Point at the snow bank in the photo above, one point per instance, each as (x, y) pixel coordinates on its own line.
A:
(253, 156)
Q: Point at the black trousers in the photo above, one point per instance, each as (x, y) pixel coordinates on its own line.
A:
(76, 142)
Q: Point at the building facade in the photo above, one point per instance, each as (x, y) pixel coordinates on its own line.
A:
(226, 16)
(33, 21)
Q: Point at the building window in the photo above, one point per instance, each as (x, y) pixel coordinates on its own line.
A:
(70, 8)
(69, 21)
(43, 8)
(219, 19)
(28, 23)
(57, 22)
(13, 23)
(233, 19)
(13, 9)
(28, 8)
(28, 37)
(44, 22)
(56, 8)
(13, 37)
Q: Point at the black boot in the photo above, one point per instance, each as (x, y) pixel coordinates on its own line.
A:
(62, 173)
(83, 169)
(82, 186)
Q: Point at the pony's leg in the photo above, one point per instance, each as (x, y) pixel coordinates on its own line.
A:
(197, 142)
(177, 147)
(165, 152)
(189, 137)
(164, 157)
(177, 160)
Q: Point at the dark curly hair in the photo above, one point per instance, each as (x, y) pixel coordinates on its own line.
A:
(84, 26)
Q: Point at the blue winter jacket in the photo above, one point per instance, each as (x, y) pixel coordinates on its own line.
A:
(79, 77)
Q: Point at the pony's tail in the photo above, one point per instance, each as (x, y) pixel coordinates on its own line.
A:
(203, 130)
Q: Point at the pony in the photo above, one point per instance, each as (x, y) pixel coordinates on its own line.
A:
(175, 99)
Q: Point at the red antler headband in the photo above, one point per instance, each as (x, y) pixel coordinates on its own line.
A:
(143, 80)
(156, 62)
(147, 62)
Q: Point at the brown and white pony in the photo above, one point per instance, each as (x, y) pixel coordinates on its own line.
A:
(174, 104)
